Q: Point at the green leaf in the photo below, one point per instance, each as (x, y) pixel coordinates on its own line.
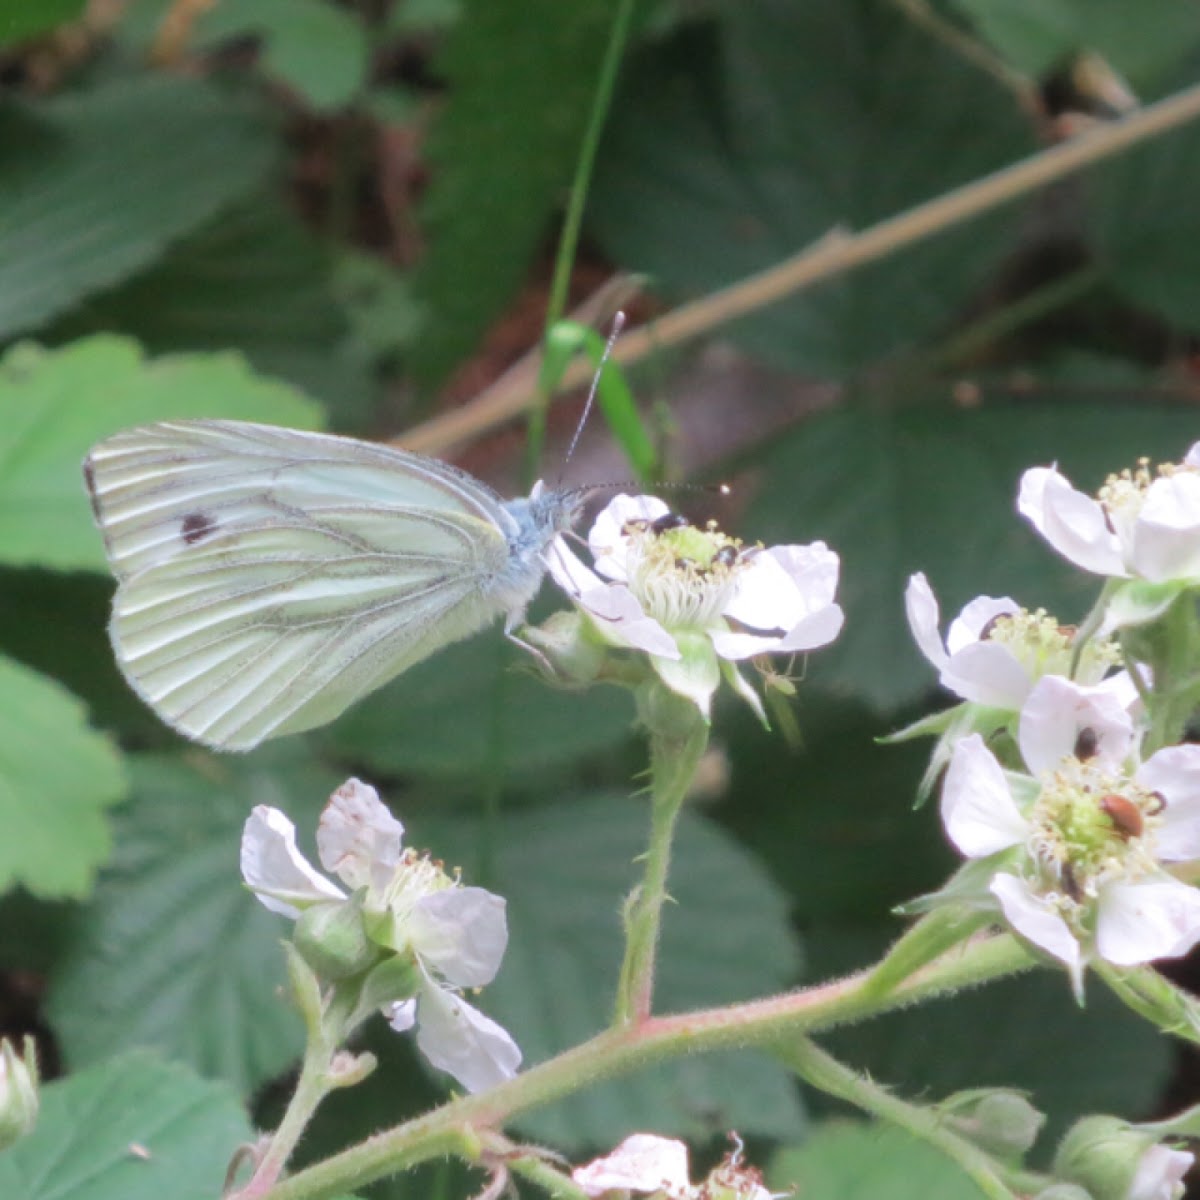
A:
(134, 1129)
(175, 953)
(853, 1160)
(20, 20)
(58, 403)
(564, 871)
(1146, 43)
(737, 146)
(932, 488)
(56, 778)
(312, 46)
(502, 151)
(254, 280)
(97, 184)
(1146, 228)
(835, 822)
(474, 709)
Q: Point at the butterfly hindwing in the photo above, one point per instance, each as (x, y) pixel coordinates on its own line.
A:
(266, 583)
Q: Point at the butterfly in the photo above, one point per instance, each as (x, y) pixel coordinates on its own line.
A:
(269, 578)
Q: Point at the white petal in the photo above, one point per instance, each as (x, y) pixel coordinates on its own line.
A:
(779, 587)
(1160, 1173)
(278, 874)
(743, 688)
(607, 538)
(357, 838)
(695, 674)
(643, 1162)
(460, 1040)
(969, 625)
(1036, 920)
(787, 593)
(978, 810)
(1139, 922)
(402, 1014)
(462, 933)
(1071, 522)
(1166, 537)
(1056, 713)
(987, 673)
(568, 571)
(921, 608)
(1175, 774)
(1192, 457)
(618, 616)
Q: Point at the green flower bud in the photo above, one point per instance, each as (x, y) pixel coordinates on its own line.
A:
(1107, 1156)
(18, 1091)
(998, 1120)
(565, 641)
(396, 978)
(332, 940)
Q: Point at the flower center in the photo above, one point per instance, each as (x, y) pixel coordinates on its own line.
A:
(1091, 824)
(415, 877)
(1122, 495)
(1044, 647)
(682, 576)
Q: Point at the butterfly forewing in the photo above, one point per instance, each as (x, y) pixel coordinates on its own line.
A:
(271, 578)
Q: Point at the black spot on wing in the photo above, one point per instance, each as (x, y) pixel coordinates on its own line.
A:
(197, 526)
(89, 477)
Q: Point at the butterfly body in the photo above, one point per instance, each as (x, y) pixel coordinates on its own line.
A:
(269, 577)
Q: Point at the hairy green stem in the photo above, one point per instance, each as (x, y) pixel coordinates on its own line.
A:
(657, 1039)
(675, 752)
(564, 259)
(823, 1071)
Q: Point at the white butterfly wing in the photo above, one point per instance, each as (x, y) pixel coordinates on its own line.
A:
(270, 578)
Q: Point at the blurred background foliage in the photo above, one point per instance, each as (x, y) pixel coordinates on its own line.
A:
(343, 214)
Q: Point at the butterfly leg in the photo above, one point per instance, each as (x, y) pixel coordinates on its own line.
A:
(510, 626)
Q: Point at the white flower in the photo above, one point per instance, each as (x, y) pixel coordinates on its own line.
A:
(657, 1166)
(644, 1163)
(995, 650)
(1081, 838)
(1160, 1174)
(695, 600)
(456, 935)
(1142, 525)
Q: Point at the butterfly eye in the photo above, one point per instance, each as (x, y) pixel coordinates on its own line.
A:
(1086, 744)
(1124, 814)
(667, 522)
(196, 526)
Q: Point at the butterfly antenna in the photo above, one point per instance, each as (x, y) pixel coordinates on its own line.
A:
(618, 323)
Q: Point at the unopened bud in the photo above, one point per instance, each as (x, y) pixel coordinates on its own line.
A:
(564, 641)
(332, 940)
(396, 978)
(1116, 1161)
(18, 1091)
(998, 1120)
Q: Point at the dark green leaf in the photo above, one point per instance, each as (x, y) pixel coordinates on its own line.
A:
(733, 150)
(1147, 228)
(1146, 43)
(95, 186)
(57, 776)
(503, 150)
(564, 871)
(134, 1129)
(19, 19)
(175, 953)
(254, 280)
(474, 709)
(315, 47)
(934, 489)
(58, 403)
(847, 1160)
